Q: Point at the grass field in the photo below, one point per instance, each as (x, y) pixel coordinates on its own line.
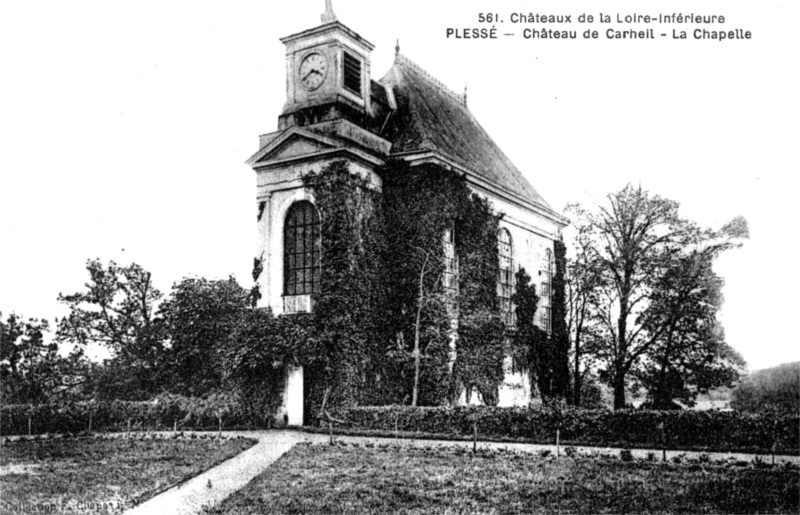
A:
(353, 479)
(94, 475)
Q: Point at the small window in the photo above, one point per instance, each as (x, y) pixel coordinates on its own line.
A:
(352, 73)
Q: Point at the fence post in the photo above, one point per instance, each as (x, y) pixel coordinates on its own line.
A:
(558, 443)
(475, 436)
(330, 431)
(774, 439)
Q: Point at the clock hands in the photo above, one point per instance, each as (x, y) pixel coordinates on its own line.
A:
(313, 70)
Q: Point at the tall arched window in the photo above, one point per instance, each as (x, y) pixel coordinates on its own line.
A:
(505, 281)
(547, 290)
(301, 251)
(450, 260)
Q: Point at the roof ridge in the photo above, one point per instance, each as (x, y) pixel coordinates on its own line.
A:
(402, 59)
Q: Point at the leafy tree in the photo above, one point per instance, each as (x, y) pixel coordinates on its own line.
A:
(584, 278)
(593, 391)
(117, 311)
(772, 389)
(198, 317)
(635, 240)
(690, 355)
(32, 371)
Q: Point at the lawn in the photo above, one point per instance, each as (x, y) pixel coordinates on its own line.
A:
(353, 479)
(99, 475)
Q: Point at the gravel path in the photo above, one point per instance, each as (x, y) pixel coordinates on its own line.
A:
(215, 484)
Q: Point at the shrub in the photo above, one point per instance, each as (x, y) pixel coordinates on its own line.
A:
(626, 455)
(165, 412)
(709, 430)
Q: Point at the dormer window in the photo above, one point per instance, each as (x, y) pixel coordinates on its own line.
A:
(352, 73)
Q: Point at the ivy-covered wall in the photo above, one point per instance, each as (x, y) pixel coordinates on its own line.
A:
(350, 306)
(420, 204)
(385, 328)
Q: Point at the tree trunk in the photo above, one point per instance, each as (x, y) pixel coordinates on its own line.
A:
(576, 399)
(622, 347)
(619, 389)
(662, 398)
(417, 323)
(415, 392)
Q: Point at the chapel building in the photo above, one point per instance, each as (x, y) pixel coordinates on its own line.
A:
(335, 111)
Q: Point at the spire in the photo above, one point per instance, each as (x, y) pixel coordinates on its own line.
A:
(465, 93)
(328, 16)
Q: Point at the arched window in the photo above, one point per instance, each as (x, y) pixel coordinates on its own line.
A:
(547, 289)
(301, 251)
(450, 260)
(505, 280)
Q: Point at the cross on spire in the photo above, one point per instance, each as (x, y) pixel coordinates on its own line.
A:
(328, 16)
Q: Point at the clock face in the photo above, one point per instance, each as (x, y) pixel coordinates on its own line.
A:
(312, 71)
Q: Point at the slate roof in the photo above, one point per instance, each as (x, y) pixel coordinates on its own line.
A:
(430, 117)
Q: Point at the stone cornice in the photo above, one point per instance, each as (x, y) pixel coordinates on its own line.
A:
(479, 182)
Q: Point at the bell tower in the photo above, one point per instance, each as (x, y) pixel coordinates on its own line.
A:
(327, 74)
(331, 113)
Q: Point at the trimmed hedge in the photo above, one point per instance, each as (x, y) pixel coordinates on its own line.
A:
(164, 413)
(686, 430)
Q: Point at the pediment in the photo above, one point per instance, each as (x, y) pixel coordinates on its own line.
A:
(293, 143)
(295, 148)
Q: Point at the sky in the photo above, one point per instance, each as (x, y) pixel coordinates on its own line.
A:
(125, 127)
